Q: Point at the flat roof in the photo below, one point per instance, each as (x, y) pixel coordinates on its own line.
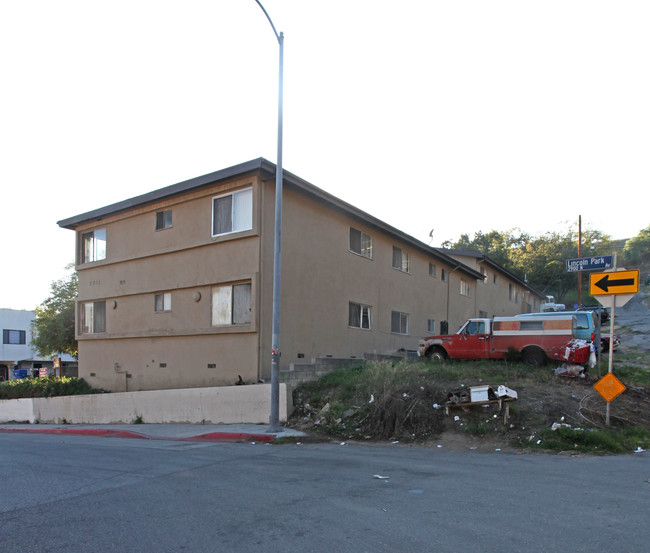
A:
(289, 179)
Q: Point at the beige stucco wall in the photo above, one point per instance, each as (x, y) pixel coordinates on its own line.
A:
(225, 405)
(180, 347)
(493, 295)
(321, 276)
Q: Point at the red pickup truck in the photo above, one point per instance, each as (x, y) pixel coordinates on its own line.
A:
(538, 339)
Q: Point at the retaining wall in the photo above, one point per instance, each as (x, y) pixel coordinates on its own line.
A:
(218, 405)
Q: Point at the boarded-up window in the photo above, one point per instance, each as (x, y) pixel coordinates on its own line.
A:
(231, 304)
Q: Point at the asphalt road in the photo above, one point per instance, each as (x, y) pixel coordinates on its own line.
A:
(87, 494)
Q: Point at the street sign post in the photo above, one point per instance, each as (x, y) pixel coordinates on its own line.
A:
(588, 263)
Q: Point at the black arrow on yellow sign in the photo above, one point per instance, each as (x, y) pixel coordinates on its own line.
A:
(605, 284)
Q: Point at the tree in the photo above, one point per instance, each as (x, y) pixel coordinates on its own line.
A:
(637, 249)
(539, 260)
(53, 326)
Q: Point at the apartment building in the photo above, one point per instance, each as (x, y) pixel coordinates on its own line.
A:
(500, 293)
(175, 286)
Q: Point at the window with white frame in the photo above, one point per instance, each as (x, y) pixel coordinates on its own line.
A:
(401, 260)
(231, 304)
(92, 317)
(360, 243)
(13, 337)
(464, 287)
(232, 212)
(163, 302)
(432, 270)
(163, 219)
(359, 316)
(93, 246)
(431, 325)
(399, 322)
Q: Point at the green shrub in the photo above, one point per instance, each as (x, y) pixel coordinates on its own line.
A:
(49, 386)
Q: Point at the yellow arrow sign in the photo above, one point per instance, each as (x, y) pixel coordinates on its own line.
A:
(619, 282)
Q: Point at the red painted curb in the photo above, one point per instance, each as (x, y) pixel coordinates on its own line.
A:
(209, 437)
(233, 437)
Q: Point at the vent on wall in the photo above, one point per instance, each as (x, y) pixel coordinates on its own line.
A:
(212, 365)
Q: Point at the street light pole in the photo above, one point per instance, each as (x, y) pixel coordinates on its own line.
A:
(274, 418)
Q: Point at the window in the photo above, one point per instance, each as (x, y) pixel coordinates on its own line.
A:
(464, 287)
(16, 337)
(163, 302)
(494, 278)
(164, 219)
(92, 317)
(232, 212)
(399, 322)
(484, 273)
(483, 314)
(231, 304)
(400, 259)
(431, 325)
(359, 316)
(432, 270)
(360, 243)
(531, 325)
(93, 245)
(475, 327)
(444, 327)
(510, 292)
(444, 275)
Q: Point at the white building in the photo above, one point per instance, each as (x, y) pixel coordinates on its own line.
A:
(16, 352)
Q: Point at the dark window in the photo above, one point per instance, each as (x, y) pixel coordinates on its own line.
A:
(93, 246)
(93, 317)
(163, 219)
(16, 337)
(399, 322)
(360, 243)
(359, 316)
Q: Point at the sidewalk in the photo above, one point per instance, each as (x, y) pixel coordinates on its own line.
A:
(174, 432)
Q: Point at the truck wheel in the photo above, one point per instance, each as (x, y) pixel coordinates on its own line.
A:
(436, 355)
(534, 357)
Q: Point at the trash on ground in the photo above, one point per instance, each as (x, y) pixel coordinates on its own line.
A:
(570, 370)
(380, 477)
(557, 425)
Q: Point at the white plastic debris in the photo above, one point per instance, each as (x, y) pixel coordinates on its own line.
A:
(380, 477)
(436, 406)
(639, 450)
(557, 425)
(456, 418)
(439, 445)
(372, 398)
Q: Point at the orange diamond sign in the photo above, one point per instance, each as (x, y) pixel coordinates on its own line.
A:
(609, 387)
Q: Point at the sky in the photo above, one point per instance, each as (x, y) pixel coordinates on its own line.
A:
(444, 116)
